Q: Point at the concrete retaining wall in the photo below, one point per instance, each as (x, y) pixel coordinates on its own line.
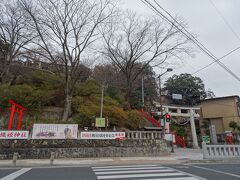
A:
(41, 149)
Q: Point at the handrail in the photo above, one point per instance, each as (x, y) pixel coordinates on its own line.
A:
(150, 118)
(180, 141)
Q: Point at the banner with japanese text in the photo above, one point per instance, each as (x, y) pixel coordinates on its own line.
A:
(55, 131)
(14, 134)
(102, 135)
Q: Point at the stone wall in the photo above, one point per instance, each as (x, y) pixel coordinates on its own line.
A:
(41, 149)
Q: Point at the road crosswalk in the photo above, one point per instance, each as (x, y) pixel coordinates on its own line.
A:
(140, 172)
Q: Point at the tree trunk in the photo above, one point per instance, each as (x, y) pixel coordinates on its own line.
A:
(5, 70)
(129, 92)
(68, 100)
(67, 107)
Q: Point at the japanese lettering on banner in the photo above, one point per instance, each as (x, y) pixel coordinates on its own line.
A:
(55, 131)
(102, 135)
(14, 134)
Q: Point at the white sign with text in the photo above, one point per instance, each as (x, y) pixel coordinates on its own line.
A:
(102, 135)
(55, 131)
(14, 134)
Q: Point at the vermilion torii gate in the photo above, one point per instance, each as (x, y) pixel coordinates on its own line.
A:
(16, 108)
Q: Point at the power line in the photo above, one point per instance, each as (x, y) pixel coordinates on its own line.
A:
(196, 42)
(215, 62)
(187, 34)
(224, 19)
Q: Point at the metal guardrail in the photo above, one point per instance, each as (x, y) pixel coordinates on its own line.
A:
(143, 135)
(220, 151)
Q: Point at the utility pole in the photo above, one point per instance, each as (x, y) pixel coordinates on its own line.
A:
(142, 93)
(161, 107)
(101, 112)
(193, 128)
(160, 101)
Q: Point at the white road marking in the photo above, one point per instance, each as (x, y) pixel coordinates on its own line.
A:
(140, 175)
(102, 167)
(189, 174)
(213, 170)
(182, 167)
(131, 172)
(119, 169)
(16, 174)
(144, 172)
(173, 178)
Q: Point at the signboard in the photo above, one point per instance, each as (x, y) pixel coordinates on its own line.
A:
(14, 134)
(162, 122)
(170, 137)
(100, 122)
(206, 139)
(177, 96)
(102, 135)
(55, 131)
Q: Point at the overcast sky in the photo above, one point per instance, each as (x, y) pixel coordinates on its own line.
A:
(204, 21)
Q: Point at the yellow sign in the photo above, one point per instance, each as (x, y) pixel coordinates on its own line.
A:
(100, 122)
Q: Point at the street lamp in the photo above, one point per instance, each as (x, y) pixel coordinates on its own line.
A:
(160, 100)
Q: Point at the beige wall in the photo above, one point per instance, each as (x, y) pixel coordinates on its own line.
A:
(220, 112)
(219, 108)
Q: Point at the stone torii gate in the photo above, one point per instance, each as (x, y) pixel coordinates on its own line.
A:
(16, 108)
(184, 111)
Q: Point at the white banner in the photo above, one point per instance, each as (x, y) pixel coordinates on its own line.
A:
(102, 135)
(13, 134)
(55, 131)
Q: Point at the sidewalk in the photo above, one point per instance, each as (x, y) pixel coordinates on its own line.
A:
(187, 154)
(178, 157)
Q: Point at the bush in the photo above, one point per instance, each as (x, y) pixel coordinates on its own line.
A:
(233, 125)
(135, 120)
(24, 95)
(180, 131)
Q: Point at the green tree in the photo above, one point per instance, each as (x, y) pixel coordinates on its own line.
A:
(146, 80)
(33, 91)
(233, 125)
(191, 88)
(86, 107)
(238, 128)
(180, 130)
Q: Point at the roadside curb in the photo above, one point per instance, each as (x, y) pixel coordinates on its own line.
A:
(173, 158)
(213, 161)
(89, 162)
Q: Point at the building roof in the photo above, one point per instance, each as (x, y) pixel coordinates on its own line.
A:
(219, 98)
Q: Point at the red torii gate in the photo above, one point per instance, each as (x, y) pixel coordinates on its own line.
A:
(16, 108)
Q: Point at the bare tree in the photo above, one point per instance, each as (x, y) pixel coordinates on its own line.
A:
(66, 29)
(13, 36)
(139, 40)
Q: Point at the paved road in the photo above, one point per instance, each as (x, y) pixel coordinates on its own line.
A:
(126, 172)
